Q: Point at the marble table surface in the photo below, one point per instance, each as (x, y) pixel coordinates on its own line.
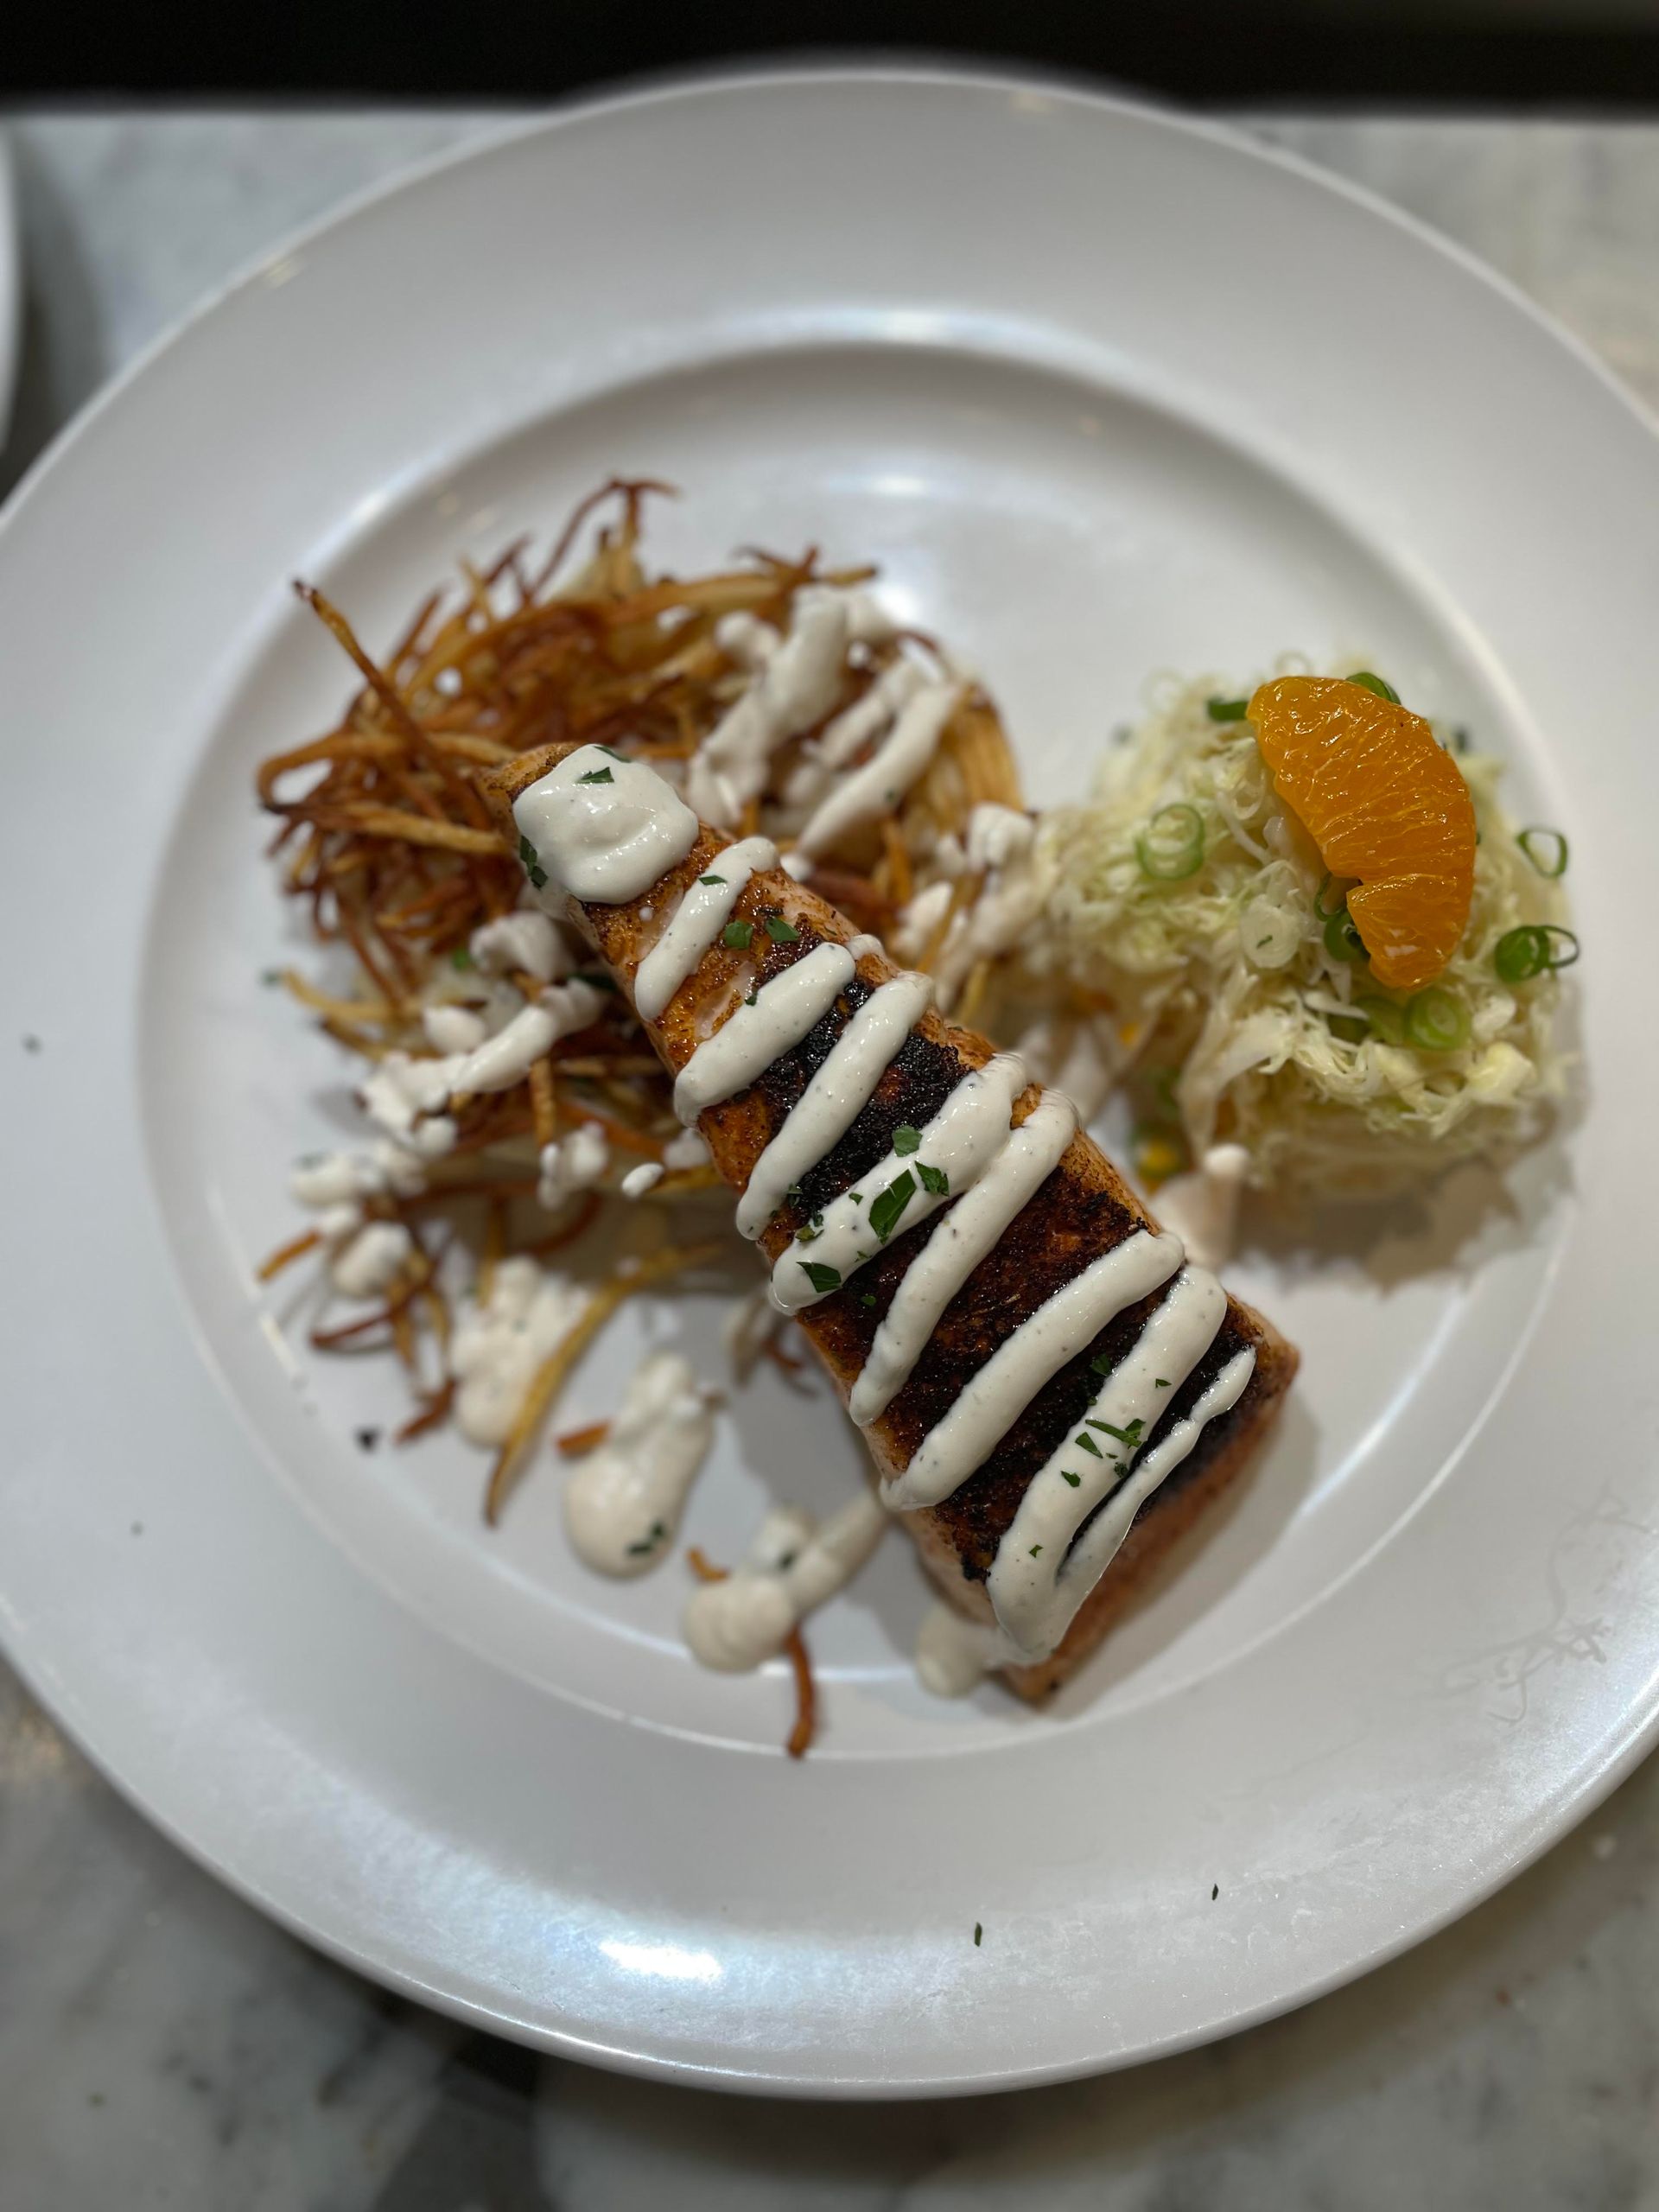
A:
(161, 2045)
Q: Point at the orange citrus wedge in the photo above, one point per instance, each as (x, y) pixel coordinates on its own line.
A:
(1383, 803)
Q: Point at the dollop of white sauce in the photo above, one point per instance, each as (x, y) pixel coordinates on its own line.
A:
(369, 1265)
(734, 1625)
(452, 1028)
(601, 827)
(623, 1502)
(688, 1150)
(954, 1654)
(334, 1185)
(498, 1346)
(402, 1093)
(919, 917)
(526, 943)
(1013, 893)
(1201, 1206)
(645, 1177)
(998, 836)
(747, 640)
(578, 1162)
(332, 1178)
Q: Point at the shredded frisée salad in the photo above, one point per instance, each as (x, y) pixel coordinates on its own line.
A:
(1195, 904)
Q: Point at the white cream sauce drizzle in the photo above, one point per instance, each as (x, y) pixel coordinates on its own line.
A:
(796, 684)
(453, 1028)
(736, 1624)
(846, 736)
(835, 1097)
(696, 922)
(954, 1654)
(1094, 1551)
(993, 1397)
(1038, 1579)
(969, 1233)
(957, 1145)
(755, 1035)
(623, 1502)
(1043, 1569)
(406, 1095)
(877, 787)
(603, 828)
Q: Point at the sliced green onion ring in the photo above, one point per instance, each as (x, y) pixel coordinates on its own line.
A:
(1324, 912)
(1521, 954)
(1435, 1021)
(1226, 711)
(1545, 848)
(1342, 940)
(1170, 847)
(1387, 1019)
(1370, 681)
(1352, 1029)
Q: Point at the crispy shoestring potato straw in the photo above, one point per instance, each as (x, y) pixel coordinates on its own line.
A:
(386, 843)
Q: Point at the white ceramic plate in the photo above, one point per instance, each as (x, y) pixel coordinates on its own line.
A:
(1103, 391)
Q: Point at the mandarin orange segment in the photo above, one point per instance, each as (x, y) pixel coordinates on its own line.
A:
(1384, 804)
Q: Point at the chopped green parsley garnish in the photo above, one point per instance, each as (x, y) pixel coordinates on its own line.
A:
(906, 1140)
(1131, 1436)
(711, 878)
(460, 957)
(887, 1206)
(821, 1277)
(934, 1180)
(811, 1232)
(531, 859)
(781, 932)
(738, 935)
(648, 1543)
(1101, 1365)
(1036, 1551)
(754, 999)
(1076, 1481)
(867, 1298)
(1161, 1382)
(1226, 711)
(1087, 1443)
(978, 1934)
(599, 775)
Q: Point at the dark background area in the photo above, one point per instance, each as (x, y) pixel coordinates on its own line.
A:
(1562, 54)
